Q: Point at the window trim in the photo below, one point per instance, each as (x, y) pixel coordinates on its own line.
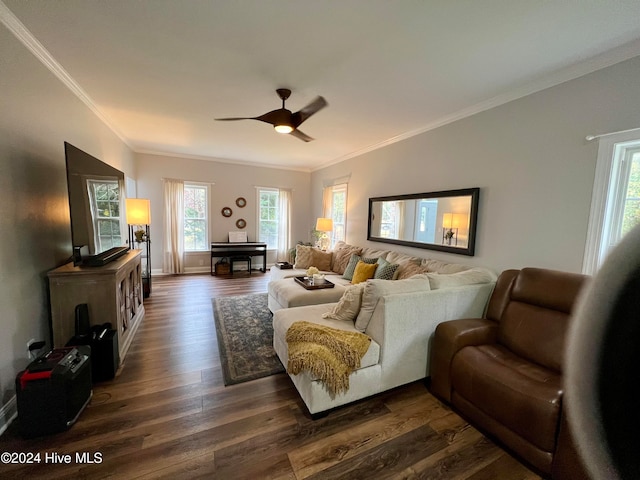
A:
(207, 219)
(603, 197)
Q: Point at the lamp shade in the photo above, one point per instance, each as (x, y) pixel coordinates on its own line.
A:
(324, 224)
(138, 211)
(455, 220)
(460, 220)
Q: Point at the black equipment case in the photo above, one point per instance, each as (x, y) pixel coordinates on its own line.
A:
(53, 390)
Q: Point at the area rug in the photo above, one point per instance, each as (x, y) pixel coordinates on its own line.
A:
(245, 338)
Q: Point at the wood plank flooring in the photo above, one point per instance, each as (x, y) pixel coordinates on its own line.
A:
(168, 415)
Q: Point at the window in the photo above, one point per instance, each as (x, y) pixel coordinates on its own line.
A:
(195, 218)
(335, 207)
(268, 213)
(105, 206)
(615, 204)
(390, 226)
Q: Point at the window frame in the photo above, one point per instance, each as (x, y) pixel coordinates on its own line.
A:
(205, 187)
(259, 192)
(609, 186)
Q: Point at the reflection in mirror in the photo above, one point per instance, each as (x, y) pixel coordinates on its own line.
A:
(443, 221)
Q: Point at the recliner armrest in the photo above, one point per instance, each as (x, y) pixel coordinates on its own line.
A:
(449, 338)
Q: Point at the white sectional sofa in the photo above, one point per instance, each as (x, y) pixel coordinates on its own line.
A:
(399, 315)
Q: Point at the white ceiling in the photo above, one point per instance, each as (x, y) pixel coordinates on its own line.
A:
(160, 71)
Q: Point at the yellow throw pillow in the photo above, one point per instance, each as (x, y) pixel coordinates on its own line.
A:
(363, 272)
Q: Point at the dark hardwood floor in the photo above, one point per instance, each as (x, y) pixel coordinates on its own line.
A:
(167, 414)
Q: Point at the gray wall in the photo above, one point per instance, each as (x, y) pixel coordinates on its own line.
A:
(530, 159)
(38, 114)
(230, 181)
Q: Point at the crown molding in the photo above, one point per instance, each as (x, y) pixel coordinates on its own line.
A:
(21, 32)
(221, 160)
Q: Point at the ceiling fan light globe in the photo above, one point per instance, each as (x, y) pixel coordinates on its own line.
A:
(283, 128)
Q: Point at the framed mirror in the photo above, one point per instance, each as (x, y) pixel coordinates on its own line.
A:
(444, 221)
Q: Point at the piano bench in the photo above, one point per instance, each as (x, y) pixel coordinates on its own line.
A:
(241, 258)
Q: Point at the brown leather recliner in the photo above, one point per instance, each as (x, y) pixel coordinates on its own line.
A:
(504, 372)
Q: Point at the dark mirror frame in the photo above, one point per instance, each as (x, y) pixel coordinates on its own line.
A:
(473, 220)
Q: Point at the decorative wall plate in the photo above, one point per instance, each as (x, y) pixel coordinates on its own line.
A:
(240, 223)
(227, 212)
(241, 202)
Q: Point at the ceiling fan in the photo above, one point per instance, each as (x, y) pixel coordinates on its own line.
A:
(283, 120)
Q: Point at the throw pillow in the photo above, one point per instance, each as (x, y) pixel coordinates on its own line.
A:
(342, 256)
(385, 270)
(349, 305)
(351, 266)
(409, 269)
(363, 272)
(303, 256)
(374, 290)
(321, 260)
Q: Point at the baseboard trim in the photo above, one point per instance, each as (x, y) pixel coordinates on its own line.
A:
(8, 413)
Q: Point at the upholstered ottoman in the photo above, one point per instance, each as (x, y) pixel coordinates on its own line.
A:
(287, 293)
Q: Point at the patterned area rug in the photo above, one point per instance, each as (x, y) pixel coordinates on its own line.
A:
(245, 338)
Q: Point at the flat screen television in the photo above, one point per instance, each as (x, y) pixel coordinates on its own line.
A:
(96, 206)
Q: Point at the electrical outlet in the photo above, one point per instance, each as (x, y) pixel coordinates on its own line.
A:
(201, 262)
(29, 352)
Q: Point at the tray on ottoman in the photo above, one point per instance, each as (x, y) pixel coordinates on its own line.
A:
(304, 281)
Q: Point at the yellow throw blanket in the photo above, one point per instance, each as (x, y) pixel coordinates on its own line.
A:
(327, 353)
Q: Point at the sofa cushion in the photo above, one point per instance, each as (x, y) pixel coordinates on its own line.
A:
(283, 319)
(511, 390)
(348, 307)
(409, 269)
(303, 256)
(351, 266)
(363, 272)
(472, 276)
(321, 260)
(397, 257)
(289, 294)
(374, 253)
(443, 267)
(342, 256)
(385, 270)
(374, 290)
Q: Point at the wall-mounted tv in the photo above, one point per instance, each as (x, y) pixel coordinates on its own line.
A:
(96, 204)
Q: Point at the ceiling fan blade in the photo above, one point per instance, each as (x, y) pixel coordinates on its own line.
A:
(315, 106)
(275, 116)
(234, 118)
(271, 117)
(302, 136)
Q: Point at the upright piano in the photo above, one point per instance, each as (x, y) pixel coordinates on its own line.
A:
(239, 249)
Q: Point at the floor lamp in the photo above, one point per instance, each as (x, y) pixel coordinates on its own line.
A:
(139, 219)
